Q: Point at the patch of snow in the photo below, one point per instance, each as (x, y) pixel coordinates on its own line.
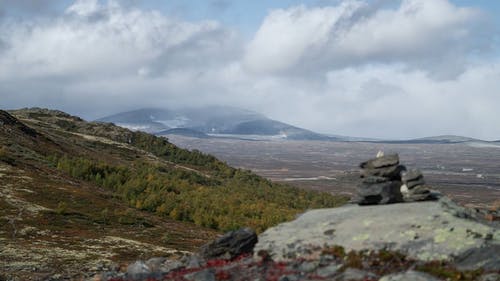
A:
(310, 179)
(177, 122)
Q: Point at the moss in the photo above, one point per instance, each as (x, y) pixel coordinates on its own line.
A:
(444, 270)
(353, 259)
(336, 251)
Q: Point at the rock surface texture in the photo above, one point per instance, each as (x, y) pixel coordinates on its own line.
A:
(423, 231)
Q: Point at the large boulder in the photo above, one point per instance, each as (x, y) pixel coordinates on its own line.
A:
(423, 231)
(230, 245)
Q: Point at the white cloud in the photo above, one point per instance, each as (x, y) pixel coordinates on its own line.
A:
(95, 40)
(350, 69)
(301, 39)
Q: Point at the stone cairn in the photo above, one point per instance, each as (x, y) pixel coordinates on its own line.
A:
(414, 188)
(385, 181)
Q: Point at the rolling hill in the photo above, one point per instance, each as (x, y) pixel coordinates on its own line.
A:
(77, 195)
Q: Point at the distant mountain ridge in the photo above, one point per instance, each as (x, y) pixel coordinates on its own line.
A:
(214, 121)
(237, 123)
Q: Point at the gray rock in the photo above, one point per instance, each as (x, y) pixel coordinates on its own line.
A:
(418, 193)
(328, 271)
(380, 193)
(409, 276)
(353, 274)
(192, 261)
(487, 257)
(390, 172)
(231, 244)
(421, 189)
(157, 267)
(373, 180)
(381, 162)
(204, 275)
(308, 266)
(440, 235)
(489, 277)
(412, 197)
(170, 265)
(412, 175)
(411, 184)
(456, 210)
(138, 271)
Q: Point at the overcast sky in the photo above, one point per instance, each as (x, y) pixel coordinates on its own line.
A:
(389, 69)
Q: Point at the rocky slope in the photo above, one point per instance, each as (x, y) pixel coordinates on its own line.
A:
(390, 234)
(427, 241)
(80, 197)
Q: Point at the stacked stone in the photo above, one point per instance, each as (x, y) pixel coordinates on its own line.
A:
(414, 188)
(381, 182)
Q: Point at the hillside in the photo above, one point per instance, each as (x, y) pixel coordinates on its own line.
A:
(77, 196)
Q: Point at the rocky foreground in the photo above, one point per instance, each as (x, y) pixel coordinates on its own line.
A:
(421, 236)
(432, 240)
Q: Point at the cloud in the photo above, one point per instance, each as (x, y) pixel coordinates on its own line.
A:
(97, 41)
(355, 68)
(429, 34)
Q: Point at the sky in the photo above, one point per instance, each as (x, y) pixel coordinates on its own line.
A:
(368, 68)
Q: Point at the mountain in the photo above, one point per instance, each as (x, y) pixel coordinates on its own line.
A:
(216, 121)
(77, 196)
(149, 120)
(443, 139)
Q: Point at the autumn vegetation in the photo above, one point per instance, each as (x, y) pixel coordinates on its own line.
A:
(231, 199)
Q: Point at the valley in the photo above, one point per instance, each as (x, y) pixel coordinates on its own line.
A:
(467, 172)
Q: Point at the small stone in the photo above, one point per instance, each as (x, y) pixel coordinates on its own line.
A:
(328, 271)
(414, 183)
(155, 263)
(421, 189)
(308, 266)
(390, 172)
(380, 162)
(409, 276)
(138, 271)
(170, 265)
(192, 261)
(412, 175)
(353, 274)
(374, 180)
